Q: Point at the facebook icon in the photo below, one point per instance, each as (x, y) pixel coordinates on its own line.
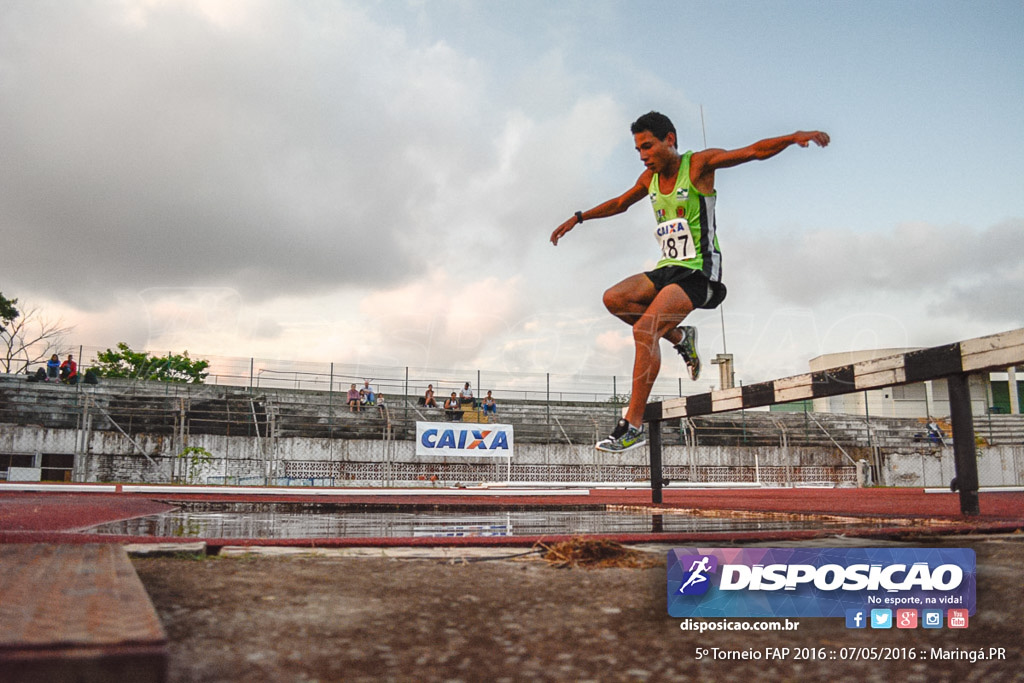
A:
(856, 618)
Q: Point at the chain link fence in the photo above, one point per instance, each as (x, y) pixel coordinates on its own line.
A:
(390, 380)
(139, 431)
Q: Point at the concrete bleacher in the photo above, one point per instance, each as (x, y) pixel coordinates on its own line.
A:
(164, 408)
(1000, 430)
(43, 403)
(760, 428)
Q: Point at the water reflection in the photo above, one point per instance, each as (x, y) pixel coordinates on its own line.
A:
(278, 524)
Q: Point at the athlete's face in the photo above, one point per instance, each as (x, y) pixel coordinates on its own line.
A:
(656, 154)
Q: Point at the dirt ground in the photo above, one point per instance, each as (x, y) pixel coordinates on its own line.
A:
(485, 615)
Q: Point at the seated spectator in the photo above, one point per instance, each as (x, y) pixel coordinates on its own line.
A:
(428, 397)
(367, 396)
(452, 409)
(69, 371)
(53, 368)
(490, 407)
(353, 399)
(466, 395)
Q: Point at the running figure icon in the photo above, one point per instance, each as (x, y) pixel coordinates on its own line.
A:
(697, 571)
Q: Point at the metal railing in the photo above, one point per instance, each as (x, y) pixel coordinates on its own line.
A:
(263, 373)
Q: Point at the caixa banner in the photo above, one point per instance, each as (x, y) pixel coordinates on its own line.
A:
(817, 582)
(463, 438)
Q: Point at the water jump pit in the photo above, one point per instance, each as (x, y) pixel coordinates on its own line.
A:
(318, 522)
(149, 515)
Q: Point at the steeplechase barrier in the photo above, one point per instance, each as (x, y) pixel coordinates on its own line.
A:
(951, 362)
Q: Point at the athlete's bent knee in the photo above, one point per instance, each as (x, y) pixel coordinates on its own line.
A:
(613, 301)
(644, 332)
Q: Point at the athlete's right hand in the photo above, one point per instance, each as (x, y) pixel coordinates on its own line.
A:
(562, 229)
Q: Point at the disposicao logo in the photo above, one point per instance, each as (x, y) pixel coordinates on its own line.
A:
(818, 582)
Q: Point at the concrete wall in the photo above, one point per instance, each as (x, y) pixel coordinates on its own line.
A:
(111, 456)
(997, 466)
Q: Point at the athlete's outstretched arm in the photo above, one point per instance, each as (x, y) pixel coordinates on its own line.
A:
(611, 207)
(704, 164)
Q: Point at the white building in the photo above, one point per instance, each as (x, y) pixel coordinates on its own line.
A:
(989, 392)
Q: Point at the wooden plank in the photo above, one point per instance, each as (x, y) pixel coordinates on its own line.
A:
(699, 404)
(880, 372)
(796, 388)
(994, 359)
(76, 612)
(673, 408)
(757, 395)
(994, 352)
(726, 400)
(833, 381)
(933, 363)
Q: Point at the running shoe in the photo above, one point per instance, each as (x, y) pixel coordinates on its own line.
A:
(687, 348)
(624, 437)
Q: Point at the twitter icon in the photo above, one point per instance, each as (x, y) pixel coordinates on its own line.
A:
(881, 618)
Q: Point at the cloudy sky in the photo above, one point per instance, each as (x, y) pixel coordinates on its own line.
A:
(376, 181)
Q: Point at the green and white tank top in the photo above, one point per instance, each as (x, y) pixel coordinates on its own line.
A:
(686, 230)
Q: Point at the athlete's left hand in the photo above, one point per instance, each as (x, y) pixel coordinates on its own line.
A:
(820, 138)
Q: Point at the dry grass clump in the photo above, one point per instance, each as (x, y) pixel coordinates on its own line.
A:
(594, 554)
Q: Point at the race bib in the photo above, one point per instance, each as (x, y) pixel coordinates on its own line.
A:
(675, 240)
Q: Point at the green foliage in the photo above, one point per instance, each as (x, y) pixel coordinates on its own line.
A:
(7, 310)
(127, 364)
(197, 458)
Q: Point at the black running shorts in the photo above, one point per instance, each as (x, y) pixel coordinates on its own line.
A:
(702, 292)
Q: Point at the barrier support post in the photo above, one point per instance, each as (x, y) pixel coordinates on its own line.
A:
(654, 444)
(964, 450)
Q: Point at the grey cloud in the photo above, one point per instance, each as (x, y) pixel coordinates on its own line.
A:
(177, 153)
(945, 266)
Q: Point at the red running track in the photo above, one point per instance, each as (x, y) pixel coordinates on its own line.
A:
(902, 513)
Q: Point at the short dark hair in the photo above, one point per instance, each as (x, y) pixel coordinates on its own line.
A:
(655, 123)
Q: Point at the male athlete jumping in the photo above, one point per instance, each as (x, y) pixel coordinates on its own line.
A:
(689, 275)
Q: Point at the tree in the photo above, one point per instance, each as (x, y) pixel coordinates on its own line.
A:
(26, 337)
(127, 364)
(196, 459)
(7, 310)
